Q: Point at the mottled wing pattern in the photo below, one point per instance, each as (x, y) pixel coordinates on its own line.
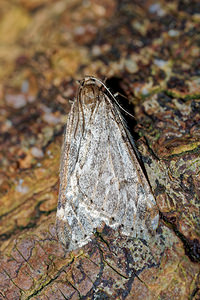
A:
(101, 180)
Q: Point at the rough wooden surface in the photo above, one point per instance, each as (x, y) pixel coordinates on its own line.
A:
(149, 51)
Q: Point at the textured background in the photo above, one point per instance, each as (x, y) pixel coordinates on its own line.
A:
(149, 50)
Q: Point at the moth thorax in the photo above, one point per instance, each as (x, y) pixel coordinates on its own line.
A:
(90, 94)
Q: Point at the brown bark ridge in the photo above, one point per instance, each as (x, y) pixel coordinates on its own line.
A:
(149, 51)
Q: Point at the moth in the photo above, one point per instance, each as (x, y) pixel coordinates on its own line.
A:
(101, 180)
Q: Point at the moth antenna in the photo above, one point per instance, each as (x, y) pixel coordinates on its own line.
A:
(113, 97)
(105, 79)
(121, 95)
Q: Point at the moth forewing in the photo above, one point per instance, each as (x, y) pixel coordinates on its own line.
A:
(101, 180)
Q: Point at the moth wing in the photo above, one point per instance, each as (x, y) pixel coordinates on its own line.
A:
(101, 179)
(69, 154)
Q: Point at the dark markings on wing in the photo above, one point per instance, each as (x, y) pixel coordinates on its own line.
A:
(101, 180)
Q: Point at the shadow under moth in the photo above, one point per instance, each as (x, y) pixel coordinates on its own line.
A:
(101, 180)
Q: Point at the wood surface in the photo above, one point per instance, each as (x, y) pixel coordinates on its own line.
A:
(149, 51)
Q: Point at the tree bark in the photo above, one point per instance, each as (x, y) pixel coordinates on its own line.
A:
(149, 52)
